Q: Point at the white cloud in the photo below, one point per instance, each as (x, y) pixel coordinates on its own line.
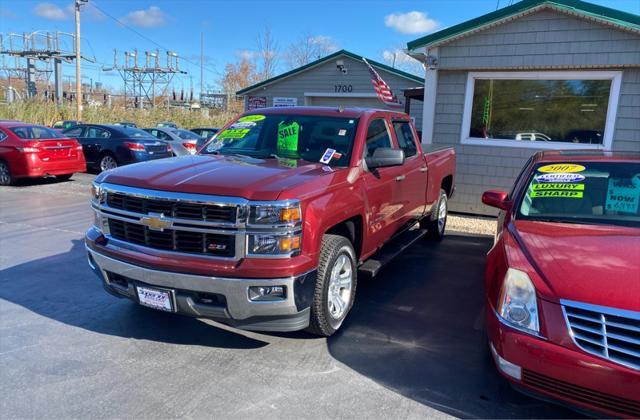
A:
(397, 55)
(246, 54)
(50, 11)
(411, 22)
(146, 18)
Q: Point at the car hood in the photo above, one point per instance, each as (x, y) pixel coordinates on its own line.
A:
(585, 263)
(250, 178)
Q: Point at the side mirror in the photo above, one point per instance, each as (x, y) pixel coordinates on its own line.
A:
(385, 156)
(498, 199)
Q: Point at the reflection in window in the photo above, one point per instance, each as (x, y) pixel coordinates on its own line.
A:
(571, 111)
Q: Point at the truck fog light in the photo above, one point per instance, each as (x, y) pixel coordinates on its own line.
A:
(267, 293)
(505, 366)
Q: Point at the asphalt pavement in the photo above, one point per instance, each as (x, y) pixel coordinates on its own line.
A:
(412, 347)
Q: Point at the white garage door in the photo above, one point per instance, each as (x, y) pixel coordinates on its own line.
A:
(346, 102)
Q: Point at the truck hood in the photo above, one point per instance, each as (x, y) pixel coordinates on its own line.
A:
(585, 263)
(236, 176)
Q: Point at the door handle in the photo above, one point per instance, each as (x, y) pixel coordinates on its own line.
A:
(400, 178)
(424, 169)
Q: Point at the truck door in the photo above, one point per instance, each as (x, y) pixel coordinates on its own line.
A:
(414, 186)
(385, 203)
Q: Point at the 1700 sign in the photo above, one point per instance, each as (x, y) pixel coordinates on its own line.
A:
(343, 88)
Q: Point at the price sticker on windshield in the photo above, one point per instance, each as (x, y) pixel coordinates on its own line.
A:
(288, 137)
(327, 156)
(561, 168)
(623, 196)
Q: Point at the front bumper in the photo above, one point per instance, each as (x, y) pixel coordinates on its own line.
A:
(561, 372)
(220, 298)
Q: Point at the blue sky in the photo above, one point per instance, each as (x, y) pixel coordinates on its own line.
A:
(230, 27)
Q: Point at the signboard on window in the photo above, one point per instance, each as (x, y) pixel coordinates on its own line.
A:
(283, 102)
(256, 102)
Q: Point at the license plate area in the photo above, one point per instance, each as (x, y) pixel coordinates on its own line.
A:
(156, 298)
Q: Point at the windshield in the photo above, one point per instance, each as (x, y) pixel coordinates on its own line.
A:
(328, 140)
(606, 193)
(186, 134)
(135, 132)
(34, 132)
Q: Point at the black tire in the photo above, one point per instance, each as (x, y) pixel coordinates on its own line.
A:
(436, 223)
(107, 161)
(5, 174)
(322, 321)
(64, 177)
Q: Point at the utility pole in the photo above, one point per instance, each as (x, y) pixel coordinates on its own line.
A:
(78, 98)
(201, 65)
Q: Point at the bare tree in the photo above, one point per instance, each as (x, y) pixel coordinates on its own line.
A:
(238, 75)
(268, 54)
(399, 59)
(308, 48)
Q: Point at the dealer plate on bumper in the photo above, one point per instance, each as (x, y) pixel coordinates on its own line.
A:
(156, 298)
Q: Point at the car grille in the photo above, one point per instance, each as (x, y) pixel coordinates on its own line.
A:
(581, 394)
(191, 211)
(606, 332)
(174, 240)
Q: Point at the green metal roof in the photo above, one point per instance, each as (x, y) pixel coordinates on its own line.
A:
(390, 69)
(594, 11)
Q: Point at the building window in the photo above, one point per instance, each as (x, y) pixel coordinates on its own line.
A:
(544, 110)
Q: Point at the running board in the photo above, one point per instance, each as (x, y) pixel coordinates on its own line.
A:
(395, 247)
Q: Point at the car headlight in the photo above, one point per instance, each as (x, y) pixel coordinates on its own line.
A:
(95, 191)
(276, 245)
(517, 304)
(275, 214)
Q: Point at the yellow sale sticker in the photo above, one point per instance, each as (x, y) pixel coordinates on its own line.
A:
(233, 133)
(251, 118)
(562, 168)
(558, 186)
(555, 194)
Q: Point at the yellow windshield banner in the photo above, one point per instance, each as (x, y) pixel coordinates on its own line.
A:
(556, 194)
(558, 186)
(233, 133)
(561, 168)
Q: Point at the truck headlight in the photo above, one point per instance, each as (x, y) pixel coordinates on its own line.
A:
(95, 192)
(275, 214)
(517, 304)
(266, 244)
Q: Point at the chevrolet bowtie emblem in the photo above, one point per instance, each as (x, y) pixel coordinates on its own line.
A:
(155, 221)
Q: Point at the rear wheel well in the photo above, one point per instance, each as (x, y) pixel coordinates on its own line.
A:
(350, 229)
(447, 185)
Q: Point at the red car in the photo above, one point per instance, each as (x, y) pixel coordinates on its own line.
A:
(563, 281)
(34, 151)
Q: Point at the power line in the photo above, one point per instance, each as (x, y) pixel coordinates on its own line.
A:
(141, 35)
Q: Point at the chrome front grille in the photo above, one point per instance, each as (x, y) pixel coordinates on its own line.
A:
(195, 224)
(613, 334)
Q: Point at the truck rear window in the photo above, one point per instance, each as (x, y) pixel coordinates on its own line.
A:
(293, 137)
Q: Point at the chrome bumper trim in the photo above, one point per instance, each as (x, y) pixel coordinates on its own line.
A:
(235, 290)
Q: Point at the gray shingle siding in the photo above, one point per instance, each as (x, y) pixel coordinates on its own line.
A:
(541, 41)
(323, 77)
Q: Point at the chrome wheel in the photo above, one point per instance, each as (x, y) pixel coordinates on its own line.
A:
(442, 216)
(5, 176)
(108, 162)
(340, 285)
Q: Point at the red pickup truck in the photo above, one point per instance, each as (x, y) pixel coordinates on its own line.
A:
(267, 227)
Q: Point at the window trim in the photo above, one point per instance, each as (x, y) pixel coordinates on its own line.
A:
(415, 137)
(612, 107)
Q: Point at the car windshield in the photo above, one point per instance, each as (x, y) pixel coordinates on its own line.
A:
(186, 134)
(604, 193)
(322, 139)
(35, 132)
(135, 132)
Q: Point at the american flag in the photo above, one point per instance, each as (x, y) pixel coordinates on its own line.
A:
(382, 88)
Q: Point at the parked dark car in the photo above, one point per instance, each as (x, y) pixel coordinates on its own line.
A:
(205, 132)
(167, 124)
(65, 124)
(126, 124)
(109, 146)
(183, 142)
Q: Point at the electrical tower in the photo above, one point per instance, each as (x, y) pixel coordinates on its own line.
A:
(37, 47)
(141, 82)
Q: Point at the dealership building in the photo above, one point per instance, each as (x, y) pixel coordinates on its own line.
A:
(339, 79)
(537, 75)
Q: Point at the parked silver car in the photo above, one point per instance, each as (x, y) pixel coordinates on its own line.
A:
(183, 142)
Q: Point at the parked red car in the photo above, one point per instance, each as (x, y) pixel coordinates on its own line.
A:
(33, 151)
(563, 281)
